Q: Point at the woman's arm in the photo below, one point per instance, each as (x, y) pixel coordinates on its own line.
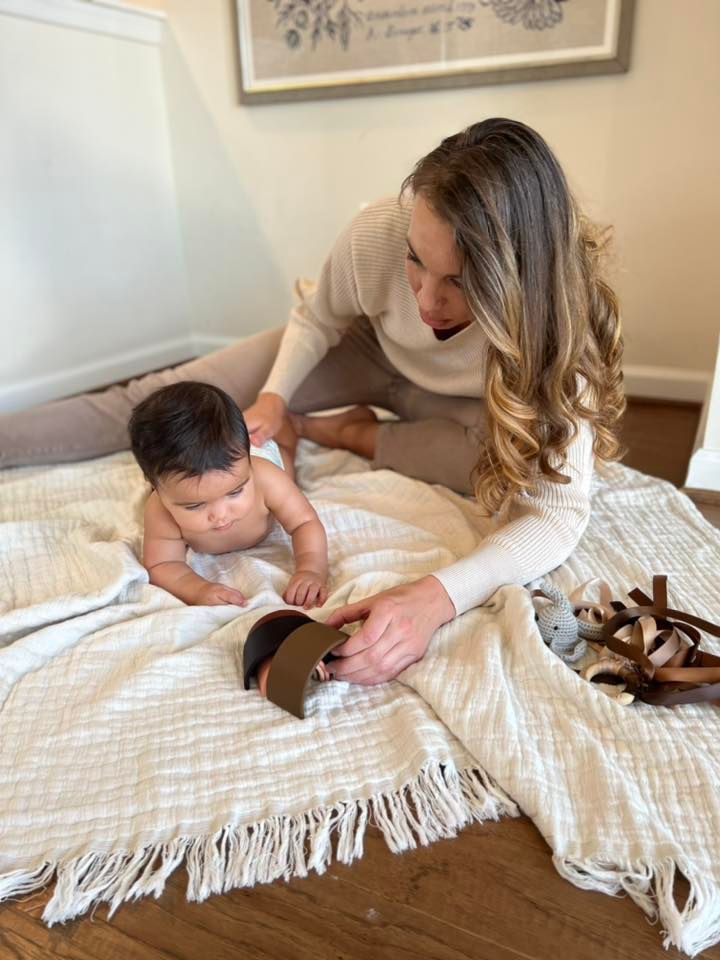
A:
(542, 532)
(355, 281)
(400, 623)
(316, 324)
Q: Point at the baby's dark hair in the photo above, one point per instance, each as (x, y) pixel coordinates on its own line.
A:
(187, 429)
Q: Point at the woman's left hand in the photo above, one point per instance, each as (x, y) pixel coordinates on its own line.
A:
(399, 624)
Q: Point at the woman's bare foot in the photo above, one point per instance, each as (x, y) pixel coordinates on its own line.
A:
(354, 430)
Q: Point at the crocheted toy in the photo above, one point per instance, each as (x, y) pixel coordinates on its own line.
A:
(649, 652)
(558, 624)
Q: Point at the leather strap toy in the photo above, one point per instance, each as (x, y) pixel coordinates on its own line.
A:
(265, 637)
(663, 645)
(296, 644)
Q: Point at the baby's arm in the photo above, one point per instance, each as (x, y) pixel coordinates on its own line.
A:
(308, 585)
(164, 552)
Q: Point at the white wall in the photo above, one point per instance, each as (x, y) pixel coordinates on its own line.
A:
(91, 273)
(92, 277)
(263, 190)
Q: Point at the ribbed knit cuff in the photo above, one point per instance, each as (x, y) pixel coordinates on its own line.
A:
(277, 383)
(474, 579)
(293, 363)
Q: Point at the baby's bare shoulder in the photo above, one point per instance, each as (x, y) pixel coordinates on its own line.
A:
(269, 478)
(158, 522)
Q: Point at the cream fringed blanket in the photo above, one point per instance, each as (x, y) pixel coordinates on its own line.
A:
(128, 745)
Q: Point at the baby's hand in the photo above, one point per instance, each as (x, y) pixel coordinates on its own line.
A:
(210, 594)
(306, 589)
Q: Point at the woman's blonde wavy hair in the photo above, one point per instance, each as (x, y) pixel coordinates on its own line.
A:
(531, 270)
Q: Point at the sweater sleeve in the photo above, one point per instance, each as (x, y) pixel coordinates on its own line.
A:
(319, 320)
(541, 532)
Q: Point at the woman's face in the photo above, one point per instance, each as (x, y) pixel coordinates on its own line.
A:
(433, 269)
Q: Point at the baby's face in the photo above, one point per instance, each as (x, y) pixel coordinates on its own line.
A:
(212, 502)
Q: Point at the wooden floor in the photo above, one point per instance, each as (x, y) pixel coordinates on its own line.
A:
(490, 894)
(659, 437)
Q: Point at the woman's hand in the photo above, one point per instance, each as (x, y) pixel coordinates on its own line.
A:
(265, 417)
(399, 624)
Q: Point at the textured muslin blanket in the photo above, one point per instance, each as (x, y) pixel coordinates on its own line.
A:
(128, 745)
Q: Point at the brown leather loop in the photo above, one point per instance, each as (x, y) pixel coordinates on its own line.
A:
(265, 637)
(672, 695)
(296, 644)
(688, 675)
(673, 672)
(660, 591)
(640, 598)
(293, 664)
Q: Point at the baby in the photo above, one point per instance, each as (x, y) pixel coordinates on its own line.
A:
(212, 493)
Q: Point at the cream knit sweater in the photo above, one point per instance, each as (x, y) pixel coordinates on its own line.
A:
(364, 276)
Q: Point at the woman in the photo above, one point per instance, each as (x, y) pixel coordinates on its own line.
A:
(472, 308)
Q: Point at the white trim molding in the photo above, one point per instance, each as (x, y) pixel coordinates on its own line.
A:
(98, 373)
(89, 376)
(666, 383)
(704, 469)
(206, 343)
(96, 16)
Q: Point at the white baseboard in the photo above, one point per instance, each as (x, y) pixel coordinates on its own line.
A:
(666, 383)
(88, 376)
(206, 343)
(704, 470)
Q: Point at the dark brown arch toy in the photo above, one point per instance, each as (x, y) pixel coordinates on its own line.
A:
(296, 643)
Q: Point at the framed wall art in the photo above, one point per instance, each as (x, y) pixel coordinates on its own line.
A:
(308, 49)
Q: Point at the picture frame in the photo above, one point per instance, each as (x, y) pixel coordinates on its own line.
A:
(316, 49)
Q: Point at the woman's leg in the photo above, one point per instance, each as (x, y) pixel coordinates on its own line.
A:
(437, 439)
(355, 430)
(433, 450)
(356, 371)
(93, 424)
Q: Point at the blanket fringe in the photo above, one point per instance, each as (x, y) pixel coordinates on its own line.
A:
(692, 928)
(437, 803)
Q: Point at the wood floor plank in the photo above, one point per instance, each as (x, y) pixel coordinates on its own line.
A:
(328, 917)
(78, 940)
(498, 880)
(659, 437)
(320, 917)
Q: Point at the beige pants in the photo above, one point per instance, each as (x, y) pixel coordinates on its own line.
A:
(436, 439)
